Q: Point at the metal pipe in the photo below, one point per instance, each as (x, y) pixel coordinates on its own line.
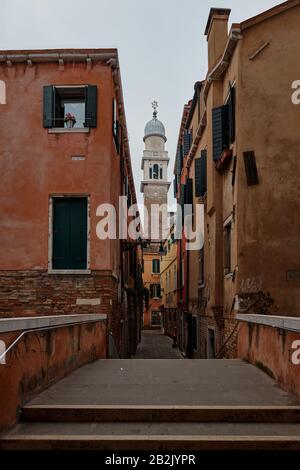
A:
(45, 328)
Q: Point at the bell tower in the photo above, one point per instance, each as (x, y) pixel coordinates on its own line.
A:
(155, 162)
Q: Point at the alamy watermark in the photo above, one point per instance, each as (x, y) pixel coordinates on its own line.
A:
(125, 223)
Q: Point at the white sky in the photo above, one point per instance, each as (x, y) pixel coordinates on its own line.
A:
(161, 45)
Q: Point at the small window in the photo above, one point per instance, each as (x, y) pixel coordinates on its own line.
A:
(227, 249)
(155, 291)
(69, 233)
(155, 266)
(70, 106)
(161, 173)
(150, 173)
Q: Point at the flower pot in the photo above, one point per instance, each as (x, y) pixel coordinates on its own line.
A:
(70, 124)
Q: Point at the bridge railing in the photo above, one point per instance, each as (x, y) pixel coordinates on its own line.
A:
(36, 352)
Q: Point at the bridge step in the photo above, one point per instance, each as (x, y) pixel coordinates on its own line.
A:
(133, 413)
(152, 436)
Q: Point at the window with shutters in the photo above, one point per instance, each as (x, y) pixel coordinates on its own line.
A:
(201, 174)
(155, 266)
(70, 106)
(220, 130)
(155, 291)
(69, 233)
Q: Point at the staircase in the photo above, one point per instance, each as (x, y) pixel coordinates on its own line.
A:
(160, 405)
(155, 428)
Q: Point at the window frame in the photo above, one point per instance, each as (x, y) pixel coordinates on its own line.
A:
(157, 260)
(51, 270)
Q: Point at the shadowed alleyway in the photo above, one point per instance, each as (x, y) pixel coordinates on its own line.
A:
(155, 345)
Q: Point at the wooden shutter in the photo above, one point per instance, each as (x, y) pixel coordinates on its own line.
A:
(231, 114)
(175, 186)
(220, 126)
(201, 174)
(69, 233)
(188, 197)
(186, 142)
(250, 168)
(91, 106)
(48, 101)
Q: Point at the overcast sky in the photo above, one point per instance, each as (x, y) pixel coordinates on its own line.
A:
(161, 45)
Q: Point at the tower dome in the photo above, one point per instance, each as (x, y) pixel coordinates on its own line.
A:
(155, 127)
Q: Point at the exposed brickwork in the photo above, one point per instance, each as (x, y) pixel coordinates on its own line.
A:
(30, 293)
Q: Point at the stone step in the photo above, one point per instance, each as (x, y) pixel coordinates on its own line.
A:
(152, 436)
(164, 413)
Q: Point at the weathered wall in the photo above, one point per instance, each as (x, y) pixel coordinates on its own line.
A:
(41, 359)
(268, 213)
(271, 350)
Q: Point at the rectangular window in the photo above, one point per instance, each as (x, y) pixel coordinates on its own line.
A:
(227, 248)
(155, 266)
(70, 106)
(250, 168)
(69, 233)
(155, 291)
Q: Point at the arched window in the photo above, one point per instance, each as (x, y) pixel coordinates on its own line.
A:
(155, 171)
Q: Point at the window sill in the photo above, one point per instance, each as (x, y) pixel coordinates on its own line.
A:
(69, 271)
(64, 130)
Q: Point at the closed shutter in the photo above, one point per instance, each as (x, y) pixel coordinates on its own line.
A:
(182, 192)
(220, 126)
(186, 142)
(201, 174)
(175, 186)
(69, 233)
(188, 197)
(250, 168)
(151, 291)
(91, 106)
(231, 105)
(48, 101)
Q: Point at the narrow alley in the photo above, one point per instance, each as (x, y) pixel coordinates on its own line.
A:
(155, 345)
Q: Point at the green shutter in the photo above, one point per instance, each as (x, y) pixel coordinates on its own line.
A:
(69, 233)
(231, 105)
(220, 130)
(48, 102)
(91, 106)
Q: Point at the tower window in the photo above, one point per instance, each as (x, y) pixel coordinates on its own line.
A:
(150, 173)
(155, 171)
(161, 173)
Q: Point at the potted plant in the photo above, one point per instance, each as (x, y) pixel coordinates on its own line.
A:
(70, 120)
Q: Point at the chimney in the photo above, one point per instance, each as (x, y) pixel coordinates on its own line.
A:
(217, 33)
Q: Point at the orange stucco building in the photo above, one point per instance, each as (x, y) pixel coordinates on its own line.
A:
(56, 172)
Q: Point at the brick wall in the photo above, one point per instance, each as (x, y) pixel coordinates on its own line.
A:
(31, 293)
